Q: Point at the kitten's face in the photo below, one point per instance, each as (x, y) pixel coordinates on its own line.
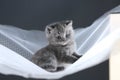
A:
(60, 32)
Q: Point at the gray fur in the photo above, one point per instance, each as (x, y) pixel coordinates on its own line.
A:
(61, 47)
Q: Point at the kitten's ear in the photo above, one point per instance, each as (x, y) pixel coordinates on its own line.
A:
(69, 22)
(48, 29)
(52, 26)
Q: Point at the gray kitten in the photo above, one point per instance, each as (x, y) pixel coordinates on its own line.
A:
(61, 47)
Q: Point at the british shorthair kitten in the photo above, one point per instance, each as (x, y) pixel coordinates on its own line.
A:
(61, 48)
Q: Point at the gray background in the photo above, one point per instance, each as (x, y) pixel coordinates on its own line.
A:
(36, 14)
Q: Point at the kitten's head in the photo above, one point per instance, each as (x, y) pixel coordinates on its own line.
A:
(60, 33)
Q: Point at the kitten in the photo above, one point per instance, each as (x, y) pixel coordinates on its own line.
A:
(61, 47)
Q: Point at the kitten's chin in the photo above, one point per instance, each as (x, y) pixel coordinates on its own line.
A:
(59, 43)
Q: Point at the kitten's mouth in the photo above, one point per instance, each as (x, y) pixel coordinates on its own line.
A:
(63, 43)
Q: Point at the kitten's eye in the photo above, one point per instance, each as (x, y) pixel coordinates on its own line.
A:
(58, 37)
(58, 32)
(67, 35)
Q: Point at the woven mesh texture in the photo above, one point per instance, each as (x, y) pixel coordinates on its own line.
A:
(14, 46)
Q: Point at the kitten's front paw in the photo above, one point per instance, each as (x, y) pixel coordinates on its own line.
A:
(60, 68)
(76, 55)
(49, 68)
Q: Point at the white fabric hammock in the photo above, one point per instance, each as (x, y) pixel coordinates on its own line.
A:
(18, 45)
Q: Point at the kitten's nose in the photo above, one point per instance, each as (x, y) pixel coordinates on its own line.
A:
(61, 38)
